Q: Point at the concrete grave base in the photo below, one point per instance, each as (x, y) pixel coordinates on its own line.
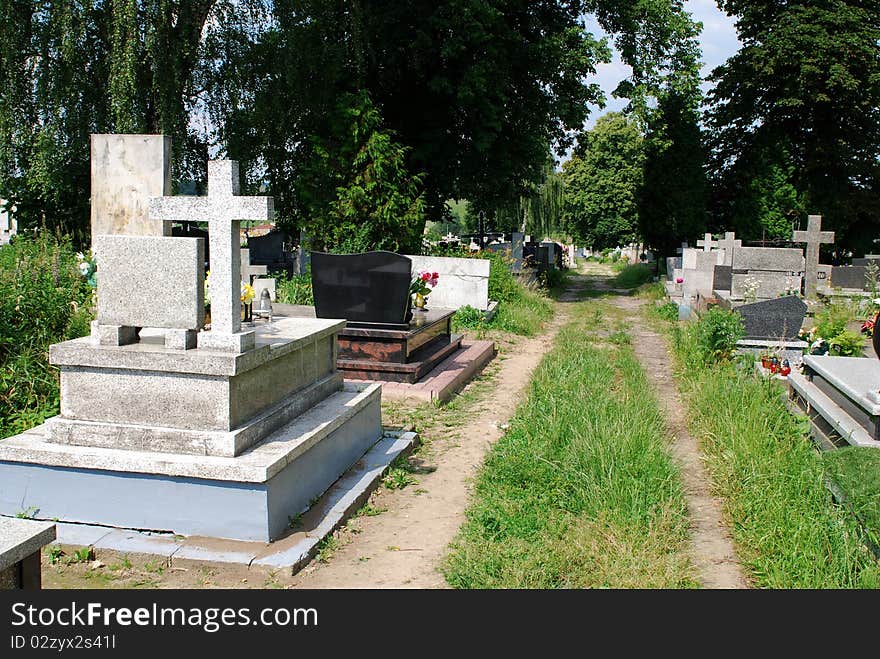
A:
(292, 551)
(248, 497)
(841, 395)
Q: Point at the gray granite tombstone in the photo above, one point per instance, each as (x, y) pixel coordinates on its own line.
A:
(865, 260)
(777, 319)
(365, 289)
(723, 278)
(849, 276)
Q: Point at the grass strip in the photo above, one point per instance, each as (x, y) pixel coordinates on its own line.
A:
(856, 470)
(789, 532)
(580, 491)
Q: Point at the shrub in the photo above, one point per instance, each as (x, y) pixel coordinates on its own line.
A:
(43, 300)
(467, 317)
(668, 311)
(633, 276)
(294, 290)
(832, 320)
(847, 344)
(717, 332)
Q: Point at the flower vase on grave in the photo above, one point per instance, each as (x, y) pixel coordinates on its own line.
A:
(420, 302)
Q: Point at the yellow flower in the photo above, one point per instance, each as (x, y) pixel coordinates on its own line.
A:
(247, 293)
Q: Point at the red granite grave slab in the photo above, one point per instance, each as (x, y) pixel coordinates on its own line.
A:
(446, 378)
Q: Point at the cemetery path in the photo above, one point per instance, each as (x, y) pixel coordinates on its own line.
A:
(712, 549)
(403, 547)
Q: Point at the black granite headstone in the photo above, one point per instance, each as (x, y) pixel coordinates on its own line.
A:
(723, 279)
(779, 319)
(269, 250)
(866, 260)
(849, 276)
(368, 290)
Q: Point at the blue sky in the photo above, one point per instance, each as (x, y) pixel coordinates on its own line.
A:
(718, 41)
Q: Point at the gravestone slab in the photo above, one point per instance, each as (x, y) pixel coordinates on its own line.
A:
(784, 259)
(770, 284)
(700, 279)
(723, 279)
(850, 276)
(866, 260)
(151, 282)
(516, 240)
(20, 543)
(461, 281)
(126, 170)
(370, 288)
(780, 319)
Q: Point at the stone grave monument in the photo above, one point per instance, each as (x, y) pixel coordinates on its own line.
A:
(383, 338)
(164, 426)
(774, 271)
(814, 237)
(774, 325)
(20, 544)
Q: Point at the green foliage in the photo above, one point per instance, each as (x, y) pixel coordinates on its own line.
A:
(794, 118)
(832, 319)
(716, 334)
(847, 344)
(358, 195)
(467, 317)
(575, 495)
(856, 471)
(633, 276)
(602, 180)
(296, 289)
(788, 532)
(667, 311)
(43, 299)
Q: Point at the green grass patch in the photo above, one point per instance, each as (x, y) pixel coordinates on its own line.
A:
(633, 276)
(856, 470)
(580, 492)
(789, 532)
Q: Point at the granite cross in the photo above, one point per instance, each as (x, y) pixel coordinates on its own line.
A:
(813, 236)
(223, 209)
(728, 244)
(248, 270)
(707, 243)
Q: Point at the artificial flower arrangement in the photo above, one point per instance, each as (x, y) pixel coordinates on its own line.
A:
(421, 287)
(88, 268)
(247, 291)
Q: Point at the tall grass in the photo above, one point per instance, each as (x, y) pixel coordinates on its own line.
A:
(43, 300)
(580, 492)
(633, 276)
(789, 532)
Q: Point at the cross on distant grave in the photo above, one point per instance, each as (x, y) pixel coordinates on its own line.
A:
(814, 237)
(683, 247)
(707, 243)
(729, 244)
(247, 270)
(223, 209)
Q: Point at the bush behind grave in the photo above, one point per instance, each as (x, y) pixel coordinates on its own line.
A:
(43, 300)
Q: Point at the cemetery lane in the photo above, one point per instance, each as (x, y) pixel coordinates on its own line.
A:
(713, 552)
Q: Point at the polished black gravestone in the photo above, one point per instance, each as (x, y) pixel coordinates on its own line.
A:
(778, 319)
(383, 339)
(368, 290)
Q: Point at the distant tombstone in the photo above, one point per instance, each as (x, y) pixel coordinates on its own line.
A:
(723, 278)
(8, 226)
(249, 271)
(126, 170)
(269, 251)
(367, 289)
(814, 237)
(779, 319)
(707, 243)
(729, 244)
(863, 261)
(849, 276)
(776, 270)
(516, 250)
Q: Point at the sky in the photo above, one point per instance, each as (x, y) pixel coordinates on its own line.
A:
(718, 42)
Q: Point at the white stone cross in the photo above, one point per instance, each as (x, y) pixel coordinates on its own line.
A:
(248, 270)
(223, 209)
(729, 244)
(707, 243)
(813, 236)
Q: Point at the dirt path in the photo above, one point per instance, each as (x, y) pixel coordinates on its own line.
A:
(712, 549)
(403, 547)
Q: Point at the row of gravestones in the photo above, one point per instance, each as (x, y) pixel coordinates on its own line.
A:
(739, 273)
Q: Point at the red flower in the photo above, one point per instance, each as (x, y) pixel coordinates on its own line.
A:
(426, 276)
